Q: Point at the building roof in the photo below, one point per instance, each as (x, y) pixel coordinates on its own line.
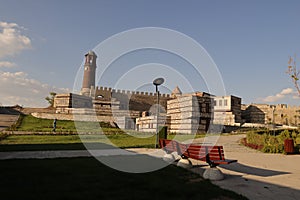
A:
(176, 91)
(91, 53)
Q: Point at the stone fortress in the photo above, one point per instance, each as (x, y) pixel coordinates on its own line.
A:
(183, 113)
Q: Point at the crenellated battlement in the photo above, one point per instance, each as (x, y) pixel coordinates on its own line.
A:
(104, 90)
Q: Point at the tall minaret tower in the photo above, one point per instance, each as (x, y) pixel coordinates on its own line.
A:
(88, 83)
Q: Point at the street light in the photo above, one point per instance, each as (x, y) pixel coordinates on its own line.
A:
(157, 82)
(273, 119)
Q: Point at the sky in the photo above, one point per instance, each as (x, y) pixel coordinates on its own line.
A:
(43, 43)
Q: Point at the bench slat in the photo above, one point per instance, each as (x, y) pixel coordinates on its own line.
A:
(226, 161)
(213, 155)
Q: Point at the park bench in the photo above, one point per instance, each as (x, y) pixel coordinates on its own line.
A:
(169, 146)
(212, 155)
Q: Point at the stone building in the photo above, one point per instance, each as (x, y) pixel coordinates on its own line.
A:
(131, 100)
(227, 110)
(280, 114)
(185, 113)
(89, 74)
(120, 105)
(190, 113)
(148, 123)
(64, 102)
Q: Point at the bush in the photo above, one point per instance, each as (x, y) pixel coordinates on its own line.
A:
(3, 136)
(270, 143)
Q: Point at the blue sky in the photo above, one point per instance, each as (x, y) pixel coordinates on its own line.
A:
(250, 42)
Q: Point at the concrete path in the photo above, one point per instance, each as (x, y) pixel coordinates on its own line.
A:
(258, 175)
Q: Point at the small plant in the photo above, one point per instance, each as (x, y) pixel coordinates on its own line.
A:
(269, 143)
(50, 98)
(3, 136)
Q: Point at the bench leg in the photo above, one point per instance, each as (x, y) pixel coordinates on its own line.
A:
(184, 163)
(213, 174)
(169, 158)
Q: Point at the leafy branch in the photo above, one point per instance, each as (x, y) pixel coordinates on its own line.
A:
(50, 98)
(294, 72)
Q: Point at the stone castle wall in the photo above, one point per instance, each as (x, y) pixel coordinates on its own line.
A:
(70, 117)
(267, 114)
(132, 100)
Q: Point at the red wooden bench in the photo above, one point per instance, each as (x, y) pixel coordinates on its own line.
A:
(169, 146)
(212, 155)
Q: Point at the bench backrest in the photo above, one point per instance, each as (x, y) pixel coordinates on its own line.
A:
(202, 152)
(195, 151)
(169, 145)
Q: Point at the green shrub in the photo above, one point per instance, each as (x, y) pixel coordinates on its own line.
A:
(3, 136)
(273, 143)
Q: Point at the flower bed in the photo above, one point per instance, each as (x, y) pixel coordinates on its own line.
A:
(253, 146)
(270, 143)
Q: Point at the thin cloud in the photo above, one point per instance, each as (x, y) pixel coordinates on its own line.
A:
(7, 64)
(12, 40)
(18, 88)
(287, 92)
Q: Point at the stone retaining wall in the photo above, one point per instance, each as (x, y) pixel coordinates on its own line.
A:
(73, 117)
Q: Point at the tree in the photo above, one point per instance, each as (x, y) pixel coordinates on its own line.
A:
(50, 98)
(294, 72)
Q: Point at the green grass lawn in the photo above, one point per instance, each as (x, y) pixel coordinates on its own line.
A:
(33, 124)
(66, 137)
(87, 178)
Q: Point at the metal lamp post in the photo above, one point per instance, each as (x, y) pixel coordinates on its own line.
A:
(273, 119)
(157, 82)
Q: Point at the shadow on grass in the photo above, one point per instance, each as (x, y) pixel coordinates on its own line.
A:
(86, 178)
(63, 146)
(43, 147)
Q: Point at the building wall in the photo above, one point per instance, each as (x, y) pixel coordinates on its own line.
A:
(75, 117)
(132, 100)
(149, 123)
(268, 114)
(227, 110)
(90, 66)
(70, 100)
(189, 114)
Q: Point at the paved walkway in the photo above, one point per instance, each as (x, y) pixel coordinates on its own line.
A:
(256, 175)
(259, 175)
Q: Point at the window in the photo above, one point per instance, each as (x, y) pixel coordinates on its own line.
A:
(220, 102)
(225, 102)
(208, 108)
(215, 102)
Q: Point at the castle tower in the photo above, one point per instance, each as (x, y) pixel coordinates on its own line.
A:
(88, 82)
(176, 92)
